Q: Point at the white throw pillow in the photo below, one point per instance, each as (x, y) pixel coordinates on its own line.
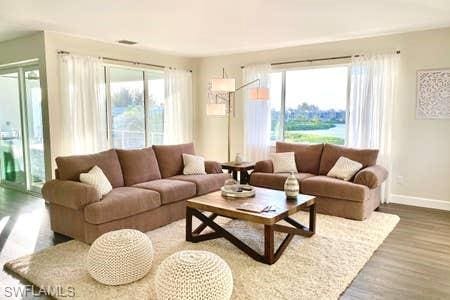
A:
(344, 168)
(98, 179)
(283, 162)
(193, 165)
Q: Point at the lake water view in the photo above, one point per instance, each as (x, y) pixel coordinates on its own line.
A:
(337, 131)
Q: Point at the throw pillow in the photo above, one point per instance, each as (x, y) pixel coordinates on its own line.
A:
(344, 168)
(283, 162)
(193, 165)
(98, 179)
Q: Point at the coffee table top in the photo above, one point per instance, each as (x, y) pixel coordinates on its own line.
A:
(216, 203)
(234, 166)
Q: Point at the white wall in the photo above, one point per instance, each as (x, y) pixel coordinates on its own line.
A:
(421, 148)
(56, 41)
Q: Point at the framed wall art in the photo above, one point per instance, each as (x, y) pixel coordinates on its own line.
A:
(433, 94)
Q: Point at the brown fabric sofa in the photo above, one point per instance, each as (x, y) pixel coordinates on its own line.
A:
(149, 190)
(354, 199)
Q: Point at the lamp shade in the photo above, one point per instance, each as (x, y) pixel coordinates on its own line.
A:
(216, 109)
(223, 85)
(259, 93)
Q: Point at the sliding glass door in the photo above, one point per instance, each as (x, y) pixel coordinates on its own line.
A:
(35, 130)
(11, 137)
(22, 162)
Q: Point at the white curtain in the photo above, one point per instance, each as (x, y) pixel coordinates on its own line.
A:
(373, 88)
(178, 110)
(257, 115)
(83, 105)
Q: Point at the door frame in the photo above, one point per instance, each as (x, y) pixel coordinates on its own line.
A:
(20, 69)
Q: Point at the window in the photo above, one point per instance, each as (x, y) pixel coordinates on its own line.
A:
(136, 107)
(155, 82)
(309, 105)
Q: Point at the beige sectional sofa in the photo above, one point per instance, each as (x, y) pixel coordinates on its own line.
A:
(354, 199)
(149, 190)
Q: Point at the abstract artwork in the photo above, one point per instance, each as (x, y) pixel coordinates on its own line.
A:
(433, 94)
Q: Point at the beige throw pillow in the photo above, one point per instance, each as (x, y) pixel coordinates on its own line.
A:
(283, 162)
(344, 168)
(98, 179)
(193, 165)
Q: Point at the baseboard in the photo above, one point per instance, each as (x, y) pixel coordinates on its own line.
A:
(421, 202)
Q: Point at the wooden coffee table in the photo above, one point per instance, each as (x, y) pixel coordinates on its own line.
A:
(226, 207)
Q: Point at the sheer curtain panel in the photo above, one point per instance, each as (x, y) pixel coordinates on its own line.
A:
(373, 88)
(178, 111)
(83, 105)
(257, 115)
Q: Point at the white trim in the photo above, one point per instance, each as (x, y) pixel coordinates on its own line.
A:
(421, 202)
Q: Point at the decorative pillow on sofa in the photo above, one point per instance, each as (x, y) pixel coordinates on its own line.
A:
(193, 165)
(283, 162)
(344, 168)
(98, 179)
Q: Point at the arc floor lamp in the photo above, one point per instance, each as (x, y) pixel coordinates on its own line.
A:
(223, 89)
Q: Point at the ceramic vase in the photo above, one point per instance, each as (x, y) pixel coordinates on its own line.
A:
(239, 159)
(291, 187)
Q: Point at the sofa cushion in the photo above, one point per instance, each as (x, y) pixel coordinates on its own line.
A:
(334, 188)
(275, 181)
(139, 165)
(170, 190)
(283, 162)
(98, 180)
(205, 183)
(344, 169)
(170, 158)
(70, 167)
(120, 203)
(331, 153)
(193, 165)
(307, 157)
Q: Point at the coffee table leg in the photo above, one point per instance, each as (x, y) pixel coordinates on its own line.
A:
(235, 175)
(312, 218)
(269, 241)
(244, 177)
(188, 224)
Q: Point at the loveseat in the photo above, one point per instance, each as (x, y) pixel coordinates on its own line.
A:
(149, 190)
(353, 199)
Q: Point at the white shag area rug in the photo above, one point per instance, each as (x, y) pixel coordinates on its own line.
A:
(320, 267)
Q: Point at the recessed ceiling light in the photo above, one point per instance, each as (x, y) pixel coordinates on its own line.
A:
(127, 42)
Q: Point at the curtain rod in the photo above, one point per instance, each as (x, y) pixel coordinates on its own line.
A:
(316, 59)
(125, 61)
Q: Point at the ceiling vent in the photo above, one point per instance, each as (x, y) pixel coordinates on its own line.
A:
(127, 42)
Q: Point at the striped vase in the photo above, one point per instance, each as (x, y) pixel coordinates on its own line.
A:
(291, 187)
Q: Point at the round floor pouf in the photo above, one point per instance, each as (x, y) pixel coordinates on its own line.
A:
(120, 257)
(194, 275)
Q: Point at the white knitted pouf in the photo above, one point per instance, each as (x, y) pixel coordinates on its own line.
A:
(194, 275)
(120, 257)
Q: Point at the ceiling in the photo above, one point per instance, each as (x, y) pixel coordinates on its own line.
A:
(211, 27)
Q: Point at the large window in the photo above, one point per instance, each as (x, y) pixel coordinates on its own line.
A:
(309, 105)
(136, 107)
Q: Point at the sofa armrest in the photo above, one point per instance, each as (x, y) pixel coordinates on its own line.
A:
(70, 194)
(264, 166)
(212, 167)
(372, 176)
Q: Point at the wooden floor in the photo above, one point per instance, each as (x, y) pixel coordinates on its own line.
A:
(412, 263)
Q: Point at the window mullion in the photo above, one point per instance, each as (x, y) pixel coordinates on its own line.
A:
(108, 106)
(146, 110)
(283, 104)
